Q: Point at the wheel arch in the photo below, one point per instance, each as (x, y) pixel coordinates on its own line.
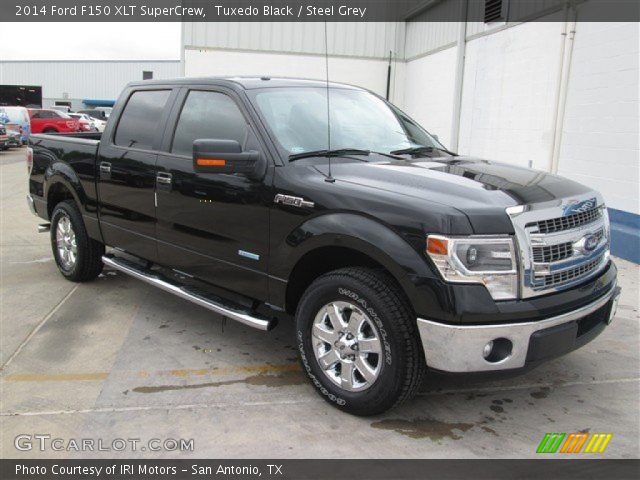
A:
(322, 260)
(334, 241)
(62, 185)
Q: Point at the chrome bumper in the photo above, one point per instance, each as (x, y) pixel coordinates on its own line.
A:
(32, 205)
(459, 348)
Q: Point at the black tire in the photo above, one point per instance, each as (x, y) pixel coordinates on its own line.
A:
(88, 259)
(50, 130)
(378, 295)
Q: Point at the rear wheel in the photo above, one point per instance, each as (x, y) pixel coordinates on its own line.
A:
(49, 130)
(79, 257)
(358, 341)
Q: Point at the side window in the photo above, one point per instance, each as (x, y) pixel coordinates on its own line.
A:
(208, 115)
(139, 120)
(36, 115)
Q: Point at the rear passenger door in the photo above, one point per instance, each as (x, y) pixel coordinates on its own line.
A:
(127, 171)
(213, 226)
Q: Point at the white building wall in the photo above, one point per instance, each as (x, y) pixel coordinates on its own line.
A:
(365, 72)
(358, 51)
(600, 135)
(354, 39)
(509, 93)
(429, 90)
(424, 36)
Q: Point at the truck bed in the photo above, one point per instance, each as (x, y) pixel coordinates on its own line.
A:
(92, 136)
(58, 153)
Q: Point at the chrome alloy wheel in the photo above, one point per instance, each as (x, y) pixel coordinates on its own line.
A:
(347, 346)
(66, 243)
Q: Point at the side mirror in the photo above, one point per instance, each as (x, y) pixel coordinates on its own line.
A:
(435, 137)
(226, 156)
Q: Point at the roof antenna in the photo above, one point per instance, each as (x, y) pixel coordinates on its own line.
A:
(329, 178)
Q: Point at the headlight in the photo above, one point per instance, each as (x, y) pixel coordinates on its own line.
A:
(487, 260)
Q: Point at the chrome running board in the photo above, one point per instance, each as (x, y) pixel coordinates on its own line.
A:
(210, 302)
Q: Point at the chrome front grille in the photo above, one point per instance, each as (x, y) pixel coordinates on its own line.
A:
(569, 222)
(565, 276)
(558, 250)
(552, 253)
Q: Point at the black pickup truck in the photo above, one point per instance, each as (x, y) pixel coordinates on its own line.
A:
(392, 253)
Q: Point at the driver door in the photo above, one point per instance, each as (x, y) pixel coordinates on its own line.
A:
(213, 226)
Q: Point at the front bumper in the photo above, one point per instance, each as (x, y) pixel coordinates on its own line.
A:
(459, 348)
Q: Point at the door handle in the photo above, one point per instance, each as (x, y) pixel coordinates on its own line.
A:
(164, 178)
(105, 167)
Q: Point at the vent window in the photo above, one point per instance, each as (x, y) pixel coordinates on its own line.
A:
(493, 11)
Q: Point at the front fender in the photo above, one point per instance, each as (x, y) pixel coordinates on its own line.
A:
(360, 233)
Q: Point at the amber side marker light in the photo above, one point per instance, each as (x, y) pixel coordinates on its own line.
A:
(437, 246)
(211, 162)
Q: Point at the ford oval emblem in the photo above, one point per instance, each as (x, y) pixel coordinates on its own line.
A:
(590, 243)
(575, 206)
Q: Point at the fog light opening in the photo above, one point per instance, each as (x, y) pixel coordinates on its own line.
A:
(497, 350)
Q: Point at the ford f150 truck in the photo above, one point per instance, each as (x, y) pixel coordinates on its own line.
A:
(249, 197)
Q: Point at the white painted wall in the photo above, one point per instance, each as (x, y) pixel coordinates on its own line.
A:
(367, 73)
(355, 39)
(509, 92)
(600, 135)
(429, 89)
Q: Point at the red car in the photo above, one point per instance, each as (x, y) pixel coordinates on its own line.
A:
(49, 121)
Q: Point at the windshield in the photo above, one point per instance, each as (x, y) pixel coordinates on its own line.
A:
(359, 120)
(61, 114)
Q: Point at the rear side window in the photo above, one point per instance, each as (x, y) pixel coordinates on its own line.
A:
(210, 115)
(140, 118)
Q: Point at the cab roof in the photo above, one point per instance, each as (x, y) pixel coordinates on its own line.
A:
(246, 83)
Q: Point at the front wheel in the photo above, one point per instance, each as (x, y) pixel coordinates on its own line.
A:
(79, 257)
(358, 341)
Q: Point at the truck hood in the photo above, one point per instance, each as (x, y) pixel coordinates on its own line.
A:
(479, 188)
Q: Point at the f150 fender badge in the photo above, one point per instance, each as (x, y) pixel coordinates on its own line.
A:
(575, 206)
(293, 201)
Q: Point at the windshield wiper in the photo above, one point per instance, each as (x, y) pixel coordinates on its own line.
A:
(420, 149)
(329, 153)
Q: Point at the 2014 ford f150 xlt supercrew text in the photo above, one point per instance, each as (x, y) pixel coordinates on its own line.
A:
(251, 198)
